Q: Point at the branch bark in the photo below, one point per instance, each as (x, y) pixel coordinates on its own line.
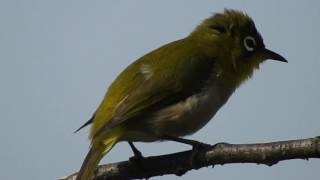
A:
(219, 154)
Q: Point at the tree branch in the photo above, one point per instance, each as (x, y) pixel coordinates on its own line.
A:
(219, 154)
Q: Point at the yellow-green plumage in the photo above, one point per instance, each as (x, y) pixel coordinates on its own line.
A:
(176, 89)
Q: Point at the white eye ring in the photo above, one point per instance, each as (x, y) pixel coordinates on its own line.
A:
(248, 45)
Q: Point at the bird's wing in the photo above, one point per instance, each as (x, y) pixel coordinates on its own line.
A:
(85, 124)
(148, 85)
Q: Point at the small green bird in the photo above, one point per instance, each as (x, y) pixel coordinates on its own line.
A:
(176, 89)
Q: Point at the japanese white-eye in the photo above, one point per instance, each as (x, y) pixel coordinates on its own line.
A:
(176, 89)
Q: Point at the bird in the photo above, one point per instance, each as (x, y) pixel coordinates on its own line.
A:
(174, 91)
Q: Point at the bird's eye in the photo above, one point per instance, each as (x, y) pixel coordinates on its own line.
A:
(249, 43)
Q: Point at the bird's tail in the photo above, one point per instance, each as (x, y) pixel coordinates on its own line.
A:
(94, 156)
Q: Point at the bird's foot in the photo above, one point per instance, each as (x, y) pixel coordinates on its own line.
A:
(219, 144)
(200, 145)
(137, 158)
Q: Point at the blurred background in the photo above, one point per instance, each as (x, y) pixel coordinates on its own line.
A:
(58, 57)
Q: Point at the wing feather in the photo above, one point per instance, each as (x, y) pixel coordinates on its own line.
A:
(133, 94)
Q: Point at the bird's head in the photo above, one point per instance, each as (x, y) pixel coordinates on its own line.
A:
(232, 38)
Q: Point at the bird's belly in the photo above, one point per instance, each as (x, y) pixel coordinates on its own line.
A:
(180, 119)
(189, 116)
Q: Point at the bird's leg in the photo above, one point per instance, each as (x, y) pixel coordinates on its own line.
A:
(137, 158)
(136, 152)
(196, 146)
(193, 143)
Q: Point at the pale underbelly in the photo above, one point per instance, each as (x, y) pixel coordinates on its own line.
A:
(183, 118)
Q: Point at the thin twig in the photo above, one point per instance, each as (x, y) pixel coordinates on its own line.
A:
(181, 162)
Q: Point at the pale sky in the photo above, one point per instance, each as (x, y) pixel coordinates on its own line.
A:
(58, 57)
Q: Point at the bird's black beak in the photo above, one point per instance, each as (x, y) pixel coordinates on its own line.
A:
(268, 54)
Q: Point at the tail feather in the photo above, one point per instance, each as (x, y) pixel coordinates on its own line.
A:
(93, 157)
